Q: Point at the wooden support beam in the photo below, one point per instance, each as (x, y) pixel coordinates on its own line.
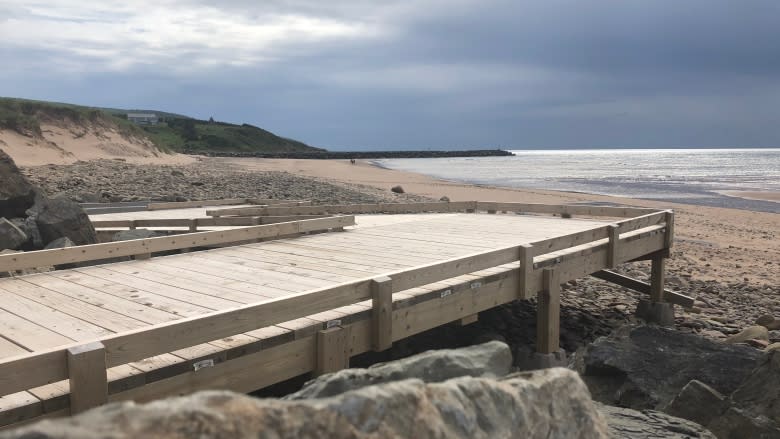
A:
(669, 241)
(657, 274)
(142, 256)
(614, 240)
(332, 349)
(88, 376)
(526, 270)
(643, 287)
(382, 313)
(473, 318)
(548, 313)
(194, 225)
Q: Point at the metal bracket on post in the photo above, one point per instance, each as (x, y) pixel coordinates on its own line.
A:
(88, 377)
(381, 313)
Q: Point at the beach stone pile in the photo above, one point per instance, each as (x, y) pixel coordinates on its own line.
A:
(115, 181)
(29, 220)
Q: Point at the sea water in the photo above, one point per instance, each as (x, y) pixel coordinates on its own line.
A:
(693, 176)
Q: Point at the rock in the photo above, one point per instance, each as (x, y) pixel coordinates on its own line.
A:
(553, 403)
(56, 218)
(445, 198)
(30, 228)
(750, 333)
(697, 402)
(645, 367)
(397, 189)
(772, 347)
(11, 236)
(126, 235)
(759, 395)
(758, 344)
(737, 424)
(16, 193)
(769, 322)
(60, 243)
(626, 423)
(490, 359)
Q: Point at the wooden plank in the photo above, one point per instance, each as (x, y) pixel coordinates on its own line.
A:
(381, 314)
(669, 218)
(657, 274)
(548, 313)
(565, 209)
(614, 241)
(344, 209)
(188, 204)
(27, 334)
(332, 350)
(87, 375)
(473, 318)
(18, 261)
(526, 268)
(643, 287)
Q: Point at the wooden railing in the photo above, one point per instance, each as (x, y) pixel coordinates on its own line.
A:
(193, 224)
(440, 207)
(31, 370)
(144, 247)
(226, 201)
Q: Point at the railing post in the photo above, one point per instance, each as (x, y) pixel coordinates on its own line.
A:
(193, 225)
(88, 377)
(333, 349)
(669, 237)
(548, 313)
(381, 313)
(614, 239)
(526, 270)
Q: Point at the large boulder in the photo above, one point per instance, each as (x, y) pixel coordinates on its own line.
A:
(11, 236)
(492, 359)
(552, 403)
(755, 406)
(58, 217)
(16, 193)
(645, 367)
(627, 423)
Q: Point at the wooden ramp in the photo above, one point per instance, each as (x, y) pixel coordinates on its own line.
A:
(247, 316)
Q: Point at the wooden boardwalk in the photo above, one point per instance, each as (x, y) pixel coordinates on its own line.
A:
(42, 313)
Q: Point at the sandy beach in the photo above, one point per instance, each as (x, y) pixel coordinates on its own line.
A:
(725, 245)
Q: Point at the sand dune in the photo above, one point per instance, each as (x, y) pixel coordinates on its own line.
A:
(68, 143)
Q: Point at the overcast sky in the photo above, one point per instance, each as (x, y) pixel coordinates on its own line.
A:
(420, 74)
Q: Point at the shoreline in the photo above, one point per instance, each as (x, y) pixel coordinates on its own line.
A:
(712, 243)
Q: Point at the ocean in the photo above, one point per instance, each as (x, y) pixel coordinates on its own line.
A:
(691, 176)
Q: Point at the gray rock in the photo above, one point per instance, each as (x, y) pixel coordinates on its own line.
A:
(60, 243)
(697, 402)
(16, 193)
(11, 236)
(126, 235)
(56, 218)
(553, 403)
(626, 423)
(490, 359)
(645, 367)
(755, 405)
(757, 332)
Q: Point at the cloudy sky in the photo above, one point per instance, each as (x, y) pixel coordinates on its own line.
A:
(360, 74)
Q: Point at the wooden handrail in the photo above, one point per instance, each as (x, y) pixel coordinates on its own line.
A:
(455, 206)
(39, 368)
(202, 222)
(22, 260)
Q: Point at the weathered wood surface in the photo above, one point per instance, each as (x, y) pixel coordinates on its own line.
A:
(297, 286)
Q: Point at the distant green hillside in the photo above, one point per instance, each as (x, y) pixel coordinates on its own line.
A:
(175, 132)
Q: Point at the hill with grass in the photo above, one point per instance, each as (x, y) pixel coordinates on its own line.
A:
(60, 131)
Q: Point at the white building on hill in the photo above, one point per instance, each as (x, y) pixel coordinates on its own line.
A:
(143, 118)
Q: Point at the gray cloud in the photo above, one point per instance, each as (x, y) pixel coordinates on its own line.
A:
(434, 73)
